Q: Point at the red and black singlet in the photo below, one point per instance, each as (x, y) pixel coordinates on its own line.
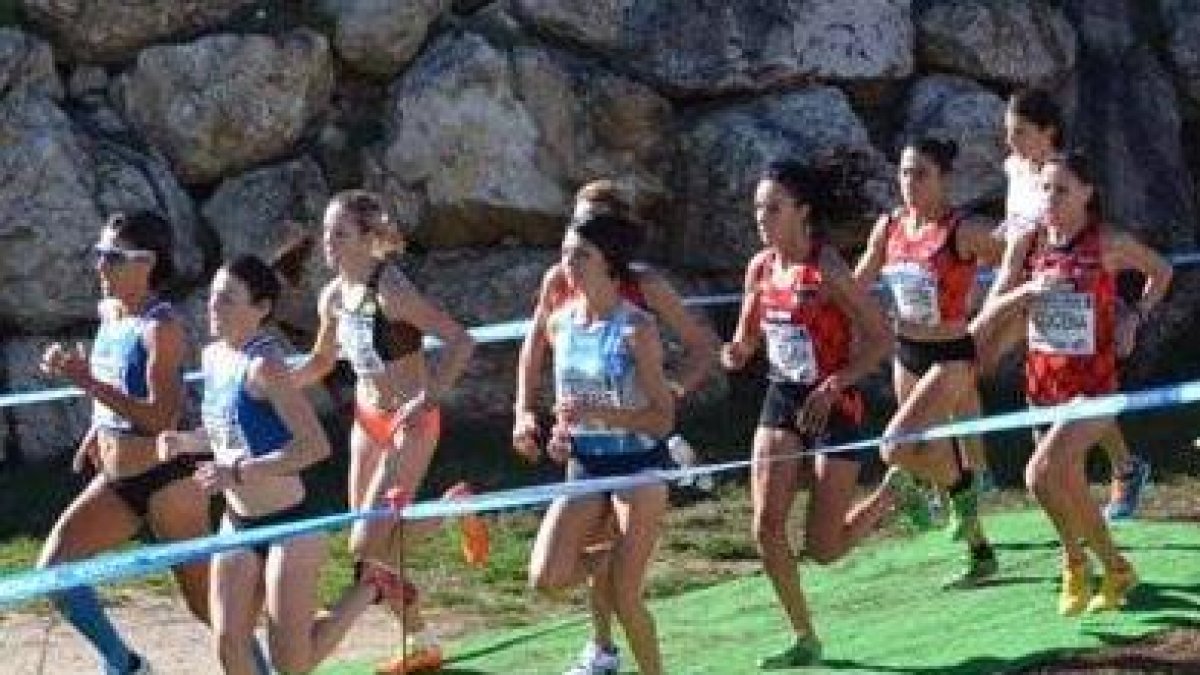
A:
(930, 283)
(1071, 333)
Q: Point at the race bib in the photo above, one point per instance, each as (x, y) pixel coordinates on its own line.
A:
(1063, 323)
(790, 353)
(914, 292)
(590, 393)
(356, 335)
(224, 437)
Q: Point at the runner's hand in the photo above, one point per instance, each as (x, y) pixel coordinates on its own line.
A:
(558, 448)
(525, 436)
(813, 416)
(61, 361)
(214, 478)
(734, 355)
(172, 444)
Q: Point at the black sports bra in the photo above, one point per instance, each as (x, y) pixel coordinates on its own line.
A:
(370, 340)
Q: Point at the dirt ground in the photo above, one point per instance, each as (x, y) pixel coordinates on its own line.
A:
(161, 629)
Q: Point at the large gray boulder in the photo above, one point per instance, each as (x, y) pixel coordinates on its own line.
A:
(502, 286)
(224, 103)
(58, 185)
(723, 151)
(46, 430)
(1019, 43)
(484, 143)
(262, 209)
(27, 65)
(104, 30)
(712, 48)
(1182, 19)
(1125, 112)
(380, 37)
(266, 209)
(958, 109)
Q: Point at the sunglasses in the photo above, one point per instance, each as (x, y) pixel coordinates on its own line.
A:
(111, 255)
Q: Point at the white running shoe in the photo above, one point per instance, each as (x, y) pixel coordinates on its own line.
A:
(595, 660)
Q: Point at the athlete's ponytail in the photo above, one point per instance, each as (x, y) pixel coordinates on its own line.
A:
(831, 191)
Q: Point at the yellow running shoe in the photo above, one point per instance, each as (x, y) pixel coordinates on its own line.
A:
(1076, 587)
(1113, 588)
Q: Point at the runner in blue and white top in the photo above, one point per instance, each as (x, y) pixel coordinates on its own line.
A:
(134, 377)
(614, 409)
(262, 432)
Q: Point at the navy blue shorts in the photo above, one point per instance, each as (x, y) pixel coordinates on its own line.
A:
(582, 467)
(784, 400)
(136, 491)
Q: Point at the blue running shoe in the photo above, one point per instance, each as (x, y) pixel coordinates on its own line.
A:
(1127, 489)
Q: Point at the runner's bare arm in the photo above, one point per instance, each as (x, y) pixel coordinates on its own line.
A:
(872, 338)
(323, 356)
(870, 264)
(699, 341)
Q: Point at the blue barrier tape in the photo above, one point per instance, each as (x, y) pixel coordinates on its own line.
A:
(23, 586)
(506, 331)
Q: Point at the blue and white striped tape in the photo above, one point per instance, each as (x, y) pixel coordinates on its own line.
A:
(23, 586)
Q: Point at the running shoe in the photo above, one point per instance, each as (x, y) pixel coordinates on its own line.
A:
(422, 654)
(684, 456)
(473, 530)
(596, 660)
(1128, 486)
(981, 566)
(805, 651)
(1113, 590)
(1076, 588)
(964, 511)
(913, 507)
(396, 593)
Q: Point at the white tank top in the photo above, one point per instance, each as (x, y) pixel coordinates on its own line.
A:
(1025, 202)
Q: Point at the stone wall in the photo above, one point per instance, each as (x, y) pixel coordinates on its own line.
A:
(238, 118)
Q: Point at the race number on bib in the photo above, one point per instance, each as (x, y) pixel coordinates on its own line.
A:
(790, 353)
(589, 393)
(915, 292)
(1063, 322)
(356, 334)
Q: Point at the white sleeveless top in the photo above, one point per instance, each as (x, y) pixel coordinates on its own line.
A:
(1025, 202)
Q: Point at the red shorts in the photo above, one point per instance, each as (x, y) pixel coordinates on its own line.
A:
(1051, 380)
(381, 425)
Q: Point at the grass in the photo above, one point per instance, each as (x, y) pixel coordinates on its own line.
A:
(882, 611)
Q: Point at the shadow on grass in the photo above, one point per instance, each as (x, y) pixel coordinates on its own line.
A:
(502, 645)
(988, 665)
